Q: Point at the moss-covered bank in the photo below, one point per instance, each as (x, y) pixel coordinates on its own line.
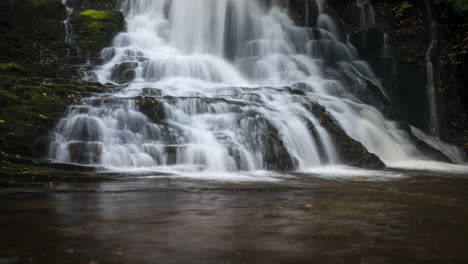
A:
(40, 73)
(94, 29)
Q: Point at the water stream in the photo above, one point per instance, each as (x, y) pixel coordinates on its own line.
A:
(67, 23)
(430, 81)
(229, 84)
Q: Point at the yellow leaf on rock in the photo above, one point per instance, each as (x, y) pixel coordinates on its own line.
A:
(2, 121)
(308, 205)
(44, 94)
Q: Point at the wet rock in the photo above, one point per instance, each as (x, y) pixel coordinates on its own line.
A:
(264, 137)
(85, 153)
(425, 148)
(351, 152)
(124, 72)
(151, 92)
(152, 108)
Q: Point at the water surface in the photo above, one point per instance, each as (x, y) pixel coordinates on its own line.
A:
(389, 217)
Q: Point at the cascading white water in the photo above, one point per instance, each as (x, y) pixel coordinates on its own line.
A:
(430, 82)
(220, 73)
(366, 13)
(67, 23)
(452, 152)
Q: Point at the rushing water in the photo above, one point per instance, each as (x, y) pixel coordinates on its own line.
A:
(222, 72)
(366, 13)
(430, 81)
(67, 23)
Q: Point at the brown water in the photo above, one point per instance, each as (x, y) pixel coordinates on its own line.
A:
(418, 219)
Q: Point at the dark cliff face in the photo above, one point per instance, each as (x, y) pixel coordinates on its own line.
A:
(395, 45)
(40, 72)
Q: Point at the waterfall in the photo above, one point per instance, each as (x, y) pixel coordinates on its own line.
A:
(67, 23)
(430, 82)
(207, 85)
(366, 13)
(452, 152)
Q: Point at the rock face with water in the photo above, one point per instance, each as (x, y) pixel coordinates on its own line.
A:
(39, 76)
(398, 47)
(246, 87)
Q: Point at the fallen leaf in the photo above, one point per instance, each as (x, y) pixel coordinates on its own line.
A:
(308, 205)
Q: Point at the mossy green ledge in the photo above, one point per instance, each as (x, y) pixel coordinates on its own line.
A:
(95, 29)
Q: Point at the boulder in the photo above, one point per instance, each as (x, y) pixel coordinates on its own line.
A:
(124, 72)
(351, 152)
(152, 108)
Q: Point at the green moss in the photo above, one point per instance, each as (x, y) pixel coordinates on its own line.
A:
(400, 9)
(29, 108)
(95, 29)
(10, 66)
(97, 14)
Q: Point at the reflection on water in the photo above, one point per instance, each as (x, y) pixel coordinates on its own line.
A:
(413, 218)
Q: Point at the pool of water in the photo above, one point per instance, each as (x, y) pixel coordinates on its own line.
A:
(328, 216)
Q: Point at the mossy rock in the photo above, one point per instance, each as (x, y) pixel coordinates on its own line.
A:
(94, 4)
(151, 107)
(44, 30)
(11, 67)
(95, 29)
(40, 19)
(30, 107)
(40, 9)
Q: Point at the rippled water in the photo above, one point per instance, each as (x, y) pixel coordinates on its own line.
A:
(328, 216)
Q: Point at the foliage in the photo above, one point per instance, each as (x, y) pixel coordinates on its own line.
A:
(97, 14)
(458, 6)
(10, 66)
(452, 10)
(400, 9)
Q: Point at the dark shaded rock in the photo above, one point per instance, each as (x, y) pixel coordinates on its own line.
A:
(69, 167)
(351, 152)
(425, 148)
(373, 95)
(266, 139)
(85, 153)
(151, 92)
(151, 107)
(124, 72)
(297, 92)
(369, 42)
